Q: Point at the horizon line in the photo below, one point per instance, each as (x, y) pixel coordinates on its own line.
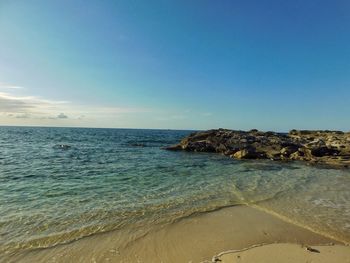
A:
(165, 129)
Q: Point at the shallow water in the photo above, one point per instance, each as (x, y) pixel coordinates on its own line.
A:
(121, 178)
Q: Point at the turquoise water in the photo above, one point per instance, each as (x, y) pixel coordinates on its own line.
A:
(114, 178)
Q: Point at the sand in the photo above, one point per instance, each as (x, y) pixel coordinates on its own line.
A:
(193, 239)
(288, 253)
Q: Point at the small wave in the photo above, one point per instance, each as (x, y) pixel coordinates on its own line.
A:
(197, 213)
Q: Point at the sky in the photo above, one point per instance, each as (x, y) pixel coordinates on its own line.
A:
(270, 65)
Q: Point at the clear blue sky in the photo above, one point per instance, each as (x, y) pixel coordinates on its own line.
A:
(271, 65)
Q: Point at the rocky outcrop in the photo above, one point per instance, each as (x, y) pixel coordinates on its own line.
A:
(318, 147)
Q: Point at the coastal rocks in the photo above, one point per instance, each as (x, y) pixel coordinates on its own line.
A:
(323, 147)
(287, 151)
(323, 151)
(247, 153)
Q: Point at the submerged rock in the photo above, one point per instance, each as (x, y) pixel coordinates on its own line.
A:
(322, 147)
(62, 146)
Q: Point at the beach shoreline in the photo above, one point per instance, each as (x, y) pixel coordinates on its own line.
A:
(286, 253)
(193, 239)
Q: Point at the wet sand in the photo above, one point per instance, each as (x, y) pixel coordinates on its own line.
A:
(194, 239)
(287, 253)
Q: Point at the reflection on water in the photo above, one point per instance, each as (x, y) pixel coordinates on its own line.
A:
(61, 184)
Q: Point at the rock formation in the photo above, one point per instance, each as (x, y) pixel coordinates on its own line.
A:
(318, 147)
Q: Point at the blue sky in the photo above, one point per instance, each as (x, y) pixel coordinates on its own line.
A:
(271, 65)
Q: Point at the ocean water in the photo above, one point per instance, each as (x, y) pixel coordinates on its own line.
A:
(109, 179)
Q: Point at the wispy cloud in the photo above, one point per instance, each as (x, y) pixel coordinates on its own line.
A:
(8, 86)
(21, 116)
(37, 108)
(10, 103)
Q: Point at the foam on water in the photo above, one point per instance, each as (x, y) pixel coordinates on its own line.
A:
(61, 184)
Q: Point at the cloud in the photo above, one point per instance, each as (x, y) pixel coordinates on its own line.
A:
(23, 116)
(8, 86)
(39, 110)
(14, 105)
(26, 104)
(57, 117)
(62, 116)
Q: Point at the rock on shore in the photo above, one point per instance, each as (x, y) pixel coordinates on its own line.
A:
(319, 147)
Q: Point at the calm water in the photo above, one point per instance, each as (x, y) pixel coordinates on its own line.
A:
(115, 178)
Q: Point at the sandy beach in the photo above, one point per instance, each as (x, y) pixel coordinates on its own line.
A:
(198, 239)
(287, 253)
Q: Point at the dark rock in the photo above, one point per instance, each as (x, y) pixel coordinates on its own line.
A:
(318, 147)
(248, 153)
(221, 148)
(323, 151)
(273, 154)
(288, 150)
(245, 154)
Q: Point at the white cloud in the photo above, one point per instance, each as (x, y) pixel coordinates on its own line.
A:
(27, 104)
(36, 110)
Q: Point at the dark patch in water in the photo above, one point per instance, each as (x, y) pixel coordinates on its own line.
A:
(138, 145)
(125, 178)
(149, 143)
(62, 146)
(196, 165)
(268, 167)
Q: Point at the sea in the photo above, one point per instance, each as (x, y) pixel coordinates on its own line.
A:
(58, 185)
